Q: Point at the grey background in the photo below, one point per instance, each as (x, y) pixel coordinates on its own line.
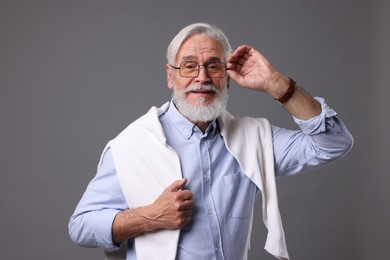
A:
(75, 73)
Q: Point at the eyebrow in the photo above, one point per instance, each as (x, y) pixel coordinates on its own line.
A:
(195, 58)
(189, 58)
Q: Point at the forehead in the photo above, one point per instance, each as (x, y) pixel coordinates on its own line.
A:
(200, 47)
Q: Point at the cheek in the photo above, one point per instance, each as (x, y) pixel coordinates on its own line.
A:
(181, 83)
(220, 83)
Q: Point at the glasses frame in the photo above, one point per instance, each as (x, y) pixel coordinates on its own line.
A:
(198, 70)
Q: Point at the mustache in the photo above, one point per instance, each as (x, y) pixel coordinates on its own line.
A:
(200, 88)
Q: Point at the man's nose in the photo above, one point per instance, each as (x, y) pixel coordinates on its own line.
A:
(202, 76)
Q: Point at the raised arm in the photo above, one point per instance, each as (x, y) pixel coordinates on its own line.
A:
(250, 69)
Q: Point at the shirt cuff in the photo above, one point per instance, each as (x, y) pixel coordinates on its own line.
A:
(104, 234)
(316, 124)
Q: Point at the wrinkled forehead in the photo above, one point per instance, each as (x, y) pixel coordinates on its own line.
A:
(200, 48)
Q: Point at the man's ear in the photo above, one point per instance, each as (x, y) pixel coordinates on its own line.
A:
(169, 76)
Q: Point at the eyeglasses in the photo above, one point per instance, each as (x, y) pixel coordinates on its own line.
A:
(190, 69)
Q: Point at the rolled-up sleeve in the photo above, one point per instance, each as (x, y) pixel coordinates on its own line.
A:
(91, 223)
(320, 140)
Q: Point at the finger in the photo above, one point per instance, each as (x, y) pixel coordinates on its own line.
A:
(177, 185)
(234, 75)
(245, 59)
(184, 212)
(184, 221)
(240, 51)
(187, 205)
(241, 61)
(235, 55)
(184, 200)
(184, 195)
(185, 215)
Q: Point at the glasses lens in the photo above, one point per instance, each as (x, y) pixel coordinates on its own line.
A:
(216, 70)
(189, 69)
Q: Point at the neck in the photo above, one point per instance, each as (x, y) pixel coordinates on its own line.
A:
(202, 125)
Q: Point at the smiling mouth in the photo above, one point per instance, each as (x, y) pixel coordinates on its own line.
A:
(202, 91)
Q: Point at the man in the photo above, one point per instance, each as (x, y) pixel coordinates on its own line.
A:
(181, 181)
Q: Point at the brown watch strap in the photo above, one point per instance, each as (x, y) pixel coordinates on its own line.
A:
(289, 92)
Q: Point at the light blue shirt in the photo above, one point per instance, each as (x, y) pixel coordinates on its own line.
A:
(222, 194)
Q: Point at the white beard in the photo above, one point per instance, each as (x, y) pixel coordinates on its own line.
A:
(200, 112)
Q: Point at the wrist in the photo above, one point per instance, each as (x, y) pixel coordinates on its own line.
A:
(149, 218)
(277, 85)
(288, 93)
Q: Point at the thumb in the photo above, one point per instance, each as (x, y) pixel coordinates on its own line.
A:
(177, 185)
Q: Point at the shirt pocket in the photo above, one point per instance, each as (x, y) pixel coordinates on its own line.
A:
(239, 195)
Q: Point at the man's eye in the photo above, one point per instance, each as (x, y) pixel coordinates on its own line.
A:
(213, 66)
(189, 66)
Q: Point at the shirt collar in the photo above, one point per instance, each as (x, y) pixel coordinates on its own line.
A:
(186, 127)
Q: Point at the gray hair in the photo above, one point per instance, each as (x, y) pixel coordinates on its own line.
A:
(193, 29)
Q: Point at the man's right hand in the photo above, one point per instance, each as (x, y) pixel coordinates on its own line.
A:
(172, 209)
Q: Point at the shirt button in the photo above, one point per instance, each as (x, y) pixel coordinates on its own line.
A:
(210, 212)
(205, 176)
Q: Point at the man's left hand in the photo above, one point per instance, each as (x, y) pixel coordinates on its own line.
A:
(250, 69)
